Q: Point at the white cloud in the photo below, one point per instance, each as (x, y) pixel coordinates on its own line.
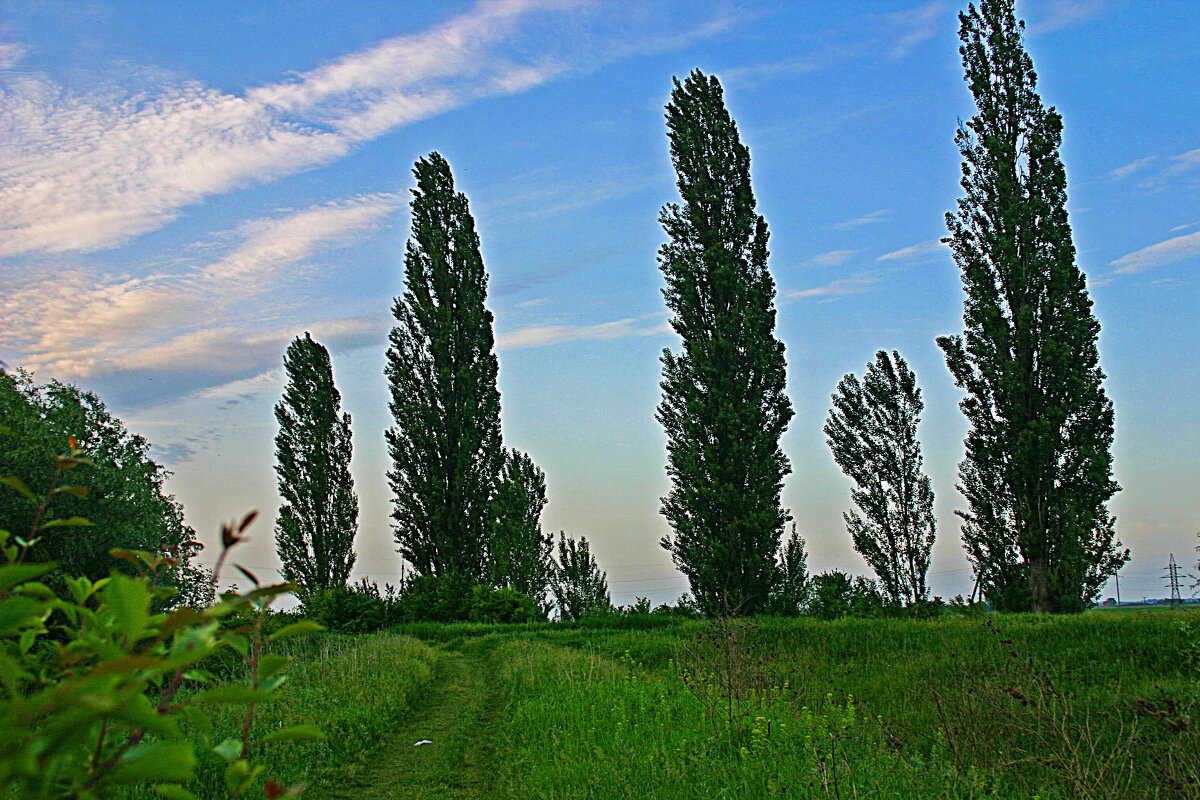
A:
(11, 54)
(1179, 248)
(88, 171)
(867, 219)
(220, 317)
(1185, 162)
(835, 289)
(916, 26)
(1130, 168)
(913, 252)
(1057, 14)
(543, 335)
(832, 258)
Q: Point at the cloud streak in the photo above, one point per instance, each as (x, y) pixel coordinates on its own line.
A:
(916, 252)
(217, 318)
(81, 172)
(836, 289)
(1178, 248)
(545, 335)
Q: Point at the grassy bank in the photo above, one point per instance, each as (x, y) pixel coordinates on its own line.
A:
(1013, 706)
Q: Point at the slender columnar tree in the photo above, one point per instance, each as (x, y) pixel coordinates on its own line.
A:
(1038, 469)
(441, 369)
(872, 430)
(519, 553)
(314, 532)
(723, 406)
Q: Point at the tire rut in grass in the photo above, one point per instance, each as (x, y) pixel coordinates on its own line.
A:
(458, 718)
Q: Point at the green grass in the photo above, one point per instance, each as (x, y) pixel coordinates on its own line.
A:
(999, 706)
(994, 706)
(355, 688)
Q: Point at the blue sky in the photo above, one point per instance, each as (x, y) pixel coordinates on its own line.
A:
(186, 187)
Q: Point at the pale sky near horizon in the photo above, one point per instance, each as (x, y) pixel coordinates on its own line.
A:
(184, 188)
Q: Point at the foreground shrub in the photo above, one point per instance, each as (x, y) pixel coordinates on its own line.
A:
(97, 690)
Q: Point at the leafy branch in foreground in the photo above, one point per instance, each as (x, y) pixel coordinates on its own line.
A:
(94, 686)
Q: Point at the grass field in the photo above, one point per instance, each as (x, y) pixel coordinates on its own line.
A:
(1093, 706)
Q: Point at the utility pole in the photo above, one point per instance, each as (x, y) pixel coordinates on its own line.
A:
(1172, 571)
(1118, 577)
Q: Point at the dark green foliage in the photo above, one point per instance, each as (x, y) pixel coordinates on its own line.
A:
(836, 594)
(579, 586)
(455, 598)
(723, 407)
(441, 370)
(1038, 471)
(120, 489)
(437, 598)
(872, 430)
(789, 595)
(360, 608)
(314, 532)
(519, 553)
(504, 604)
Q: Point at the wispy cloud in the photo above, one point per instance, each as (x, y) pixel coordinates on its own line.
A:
(220, 318)
(1054, 15)
(544, 335)
(915, 252)
(88, 171)
(1130, 168)
(836, 289)
(1178, 248)
(867, 219)
(831, 259)
(916, 26)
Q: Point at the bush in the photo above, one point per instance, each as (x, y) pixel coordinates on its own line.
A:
(503, 605)
(94, 684)
(836, 594)
(359, 608)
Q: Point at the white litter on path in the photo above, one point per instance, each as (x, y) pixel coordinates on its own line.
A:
(423, 741)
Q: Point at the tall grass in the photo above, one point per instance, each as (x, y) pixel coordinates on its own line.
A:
(353, 687)
(1092, 706)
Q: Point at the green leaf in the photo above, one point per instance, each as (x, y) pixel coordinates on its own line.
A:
(230, 749)
(128, 599)
(237, 775)
(157, 761)
(21, 612)
(271, 663)
(295, 629)
(15, 574)
(69, 522)
(78, 491)
(16, 483)
(295, 733)
(173, 791)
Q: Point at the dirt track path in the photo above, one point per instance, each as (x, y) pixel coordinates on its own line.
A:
(458, 717)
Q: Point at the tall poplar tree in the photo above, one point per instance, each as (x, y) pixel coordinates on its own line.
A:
(1038, 469)
(872, 430)
(723, 406)
(441, 370)
(314, 532)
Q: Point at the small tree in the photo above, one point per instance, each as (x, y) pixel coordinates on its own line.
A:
(314, 532)
(789, 595)
(723, 407)
(520, 554)
(441, 370)
(579, 585)
(872, 430)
